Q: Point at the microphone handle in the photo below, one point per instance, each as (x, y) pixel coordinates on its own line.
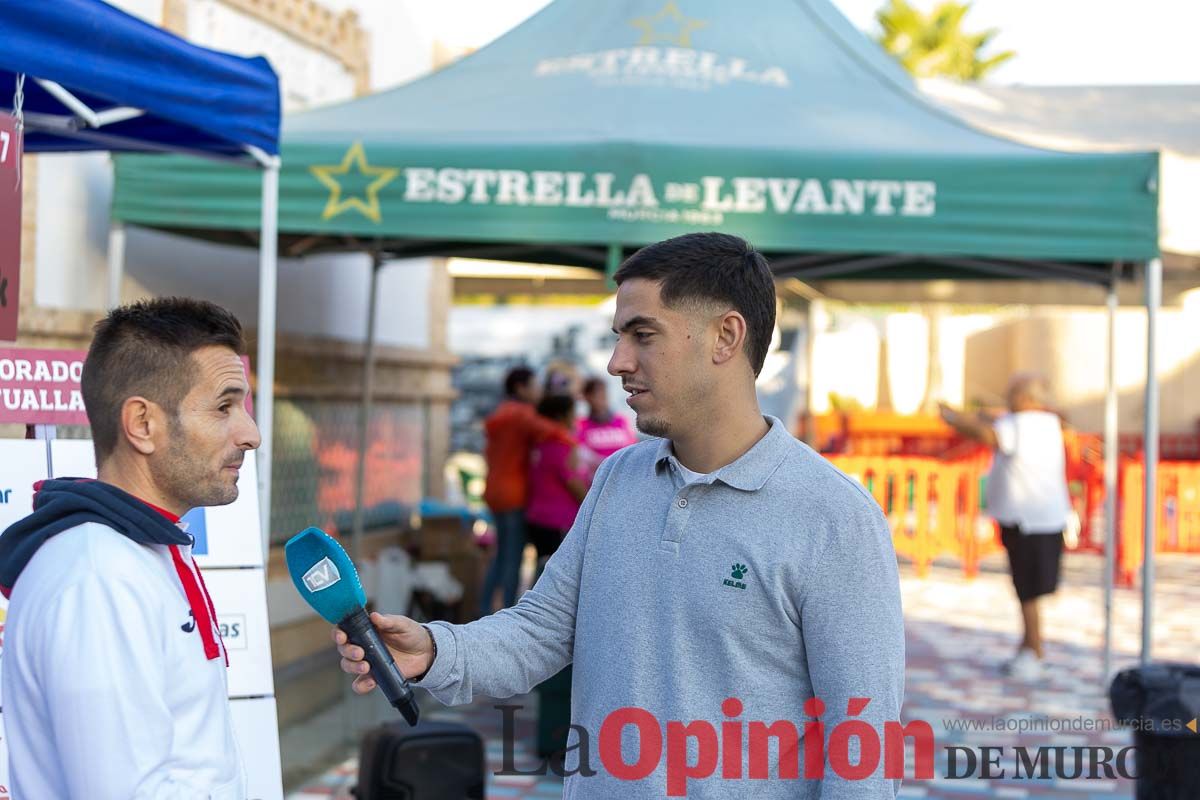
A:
(359, 630)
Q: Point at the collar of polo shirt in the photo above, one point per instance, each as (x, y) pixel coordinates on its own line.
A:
(750, 472)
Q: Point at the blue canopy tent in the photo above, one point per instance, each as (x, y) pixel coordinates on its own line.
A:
(87, 76)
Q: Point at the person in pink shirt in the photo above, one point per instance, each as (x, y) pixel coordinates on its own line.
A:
(557, 481)
(602, 432)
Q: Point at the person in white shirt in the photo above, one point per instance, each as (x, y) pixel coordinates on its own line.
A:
(1027, 495)
(114, 673)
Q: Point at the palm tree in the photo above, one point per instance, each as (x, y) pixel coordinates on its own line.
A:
(934, 44)
(930, 45)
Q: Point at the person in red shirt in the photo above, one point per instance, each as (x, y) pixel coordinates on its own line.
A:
(512, 431)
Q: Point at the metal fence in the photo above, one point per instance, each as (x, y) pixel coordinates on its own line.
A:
(316, 460)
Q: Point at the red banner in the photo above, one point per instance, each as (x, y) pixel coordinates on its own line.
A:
(41, 387)
(10, 226)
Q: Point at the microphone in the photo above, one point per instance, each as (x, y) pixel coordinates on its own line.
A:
(327, 580)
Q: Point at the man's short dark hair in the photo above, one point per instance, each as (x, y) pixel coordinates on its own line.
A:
(556, 406)
(712, 268)
(515, 379)
(144, 349)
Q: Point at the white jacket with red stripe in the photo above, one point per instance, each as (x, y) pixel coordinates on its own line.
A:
(107, 691)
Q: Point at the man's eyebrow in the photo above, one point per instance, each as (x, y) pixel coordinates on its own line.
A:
(231, 390)
(634, 322)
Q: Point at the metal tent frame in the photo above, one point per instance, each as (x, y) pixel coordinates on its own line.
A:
(818, 266)
(85, 124)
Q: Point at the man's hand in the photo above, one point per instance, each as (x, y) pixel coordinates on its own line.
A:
(975, 427)
(409, 643)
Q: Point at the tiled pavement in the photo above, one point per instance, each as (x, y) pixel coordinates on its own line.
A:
(958, 632)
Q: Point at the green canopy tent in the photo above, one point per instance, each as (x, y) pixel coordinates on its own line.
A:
(628, 122)
(594, 128)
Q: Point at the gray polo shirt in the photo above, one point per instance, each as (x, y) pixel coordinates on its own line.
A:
(771, 580)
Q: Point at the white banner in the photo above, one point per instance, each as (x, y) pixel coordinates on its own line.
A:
(22, 464)
(240, 597)
(256, 728)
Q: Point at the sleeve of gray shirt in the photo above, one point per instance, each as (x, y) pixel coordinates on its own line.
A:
(515, 649)
(853, 633)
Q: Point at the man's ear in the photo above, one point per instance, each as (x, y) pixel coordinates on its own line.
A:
(731, 337)
(141, 422)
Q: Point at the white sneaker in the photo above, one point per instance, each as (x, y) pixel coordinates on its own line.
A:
(1026, 666)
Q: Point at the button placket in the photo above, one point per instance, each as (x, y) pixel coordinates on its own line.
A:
(677, 518)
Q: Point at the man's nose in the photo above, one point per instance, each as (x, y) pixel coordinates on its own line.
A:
(622, 361)
(248, 437)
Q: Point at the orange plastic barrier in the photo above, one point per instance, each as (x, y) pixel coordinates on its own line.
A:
(1085, 481)
(933, 506)
(1178, 502)
(873, 433)
(1171, 446)
(928, 481)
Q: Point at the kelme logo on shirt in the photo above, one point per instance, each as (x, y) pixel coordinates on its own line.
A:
(322, 575)
(736, 572)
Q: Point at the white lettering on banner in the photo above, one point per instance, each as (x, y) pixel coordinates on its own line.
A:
(41, 400)
(679, 67)
(638, 200)
(22, 369)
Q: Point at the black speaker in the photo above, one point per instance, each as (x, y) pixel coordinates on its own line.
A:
(432, 761)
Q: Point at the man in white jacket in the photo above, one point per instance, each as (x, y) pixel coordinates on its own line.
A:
(114, 680)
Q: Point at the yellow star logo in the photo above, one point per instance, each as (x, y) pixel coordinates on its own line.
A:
(355, 157)
(650, 27)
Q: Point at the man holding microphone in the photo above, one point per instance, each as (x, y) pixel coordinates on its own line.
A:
(114, 673)
(722, 570)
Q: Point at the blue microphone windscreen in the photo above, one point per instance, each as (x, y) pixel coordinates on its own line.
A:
(324, 575)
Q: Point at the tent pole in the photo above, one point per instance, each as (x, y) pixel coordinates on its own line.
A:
(1153, 279)
(612, 264)
(816, 312)
(116, 261)
(265, 401)
(364, 415)
(1110, 470)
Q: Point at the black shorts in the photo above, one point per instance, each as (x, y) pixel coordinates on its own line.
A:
(545, 540)
(1034, 559)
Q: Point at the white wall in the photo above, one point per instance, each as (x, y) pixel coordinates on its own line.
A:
(73, 194)
(319, 296)
(307, 78)
(1069, 347)
(149, 10)
(528, 330)
(401, 37)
